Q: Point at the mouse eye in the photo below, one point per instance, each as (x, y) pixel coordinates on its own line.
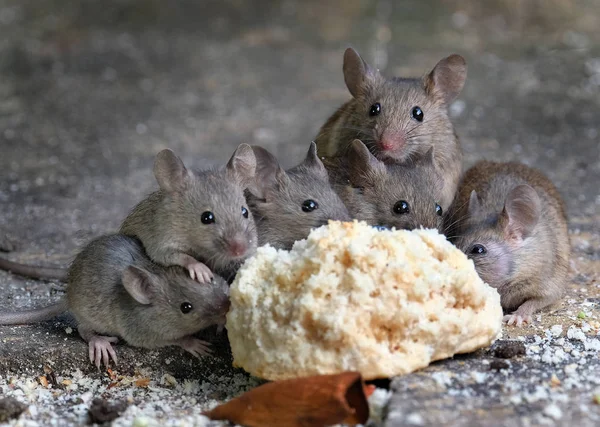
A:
(244, 212)
(478, 250)
(401, 207)
(207, 217)
(417, 114)
(186, 307)
(309, 205)
(375, 109)
(438, 210)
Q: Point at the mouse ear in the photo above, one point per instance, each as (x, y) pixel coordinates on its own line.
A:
(363, 167)
(356, 71)
(474, 204)
(170, 172)
(313, 161)
(139, 284)
(447, 78)
(521, 213)
(268, 173)
(425, 159)
(242, 165)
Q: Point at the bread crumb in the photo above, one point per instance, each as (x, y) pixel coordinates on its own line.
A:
(351, 297)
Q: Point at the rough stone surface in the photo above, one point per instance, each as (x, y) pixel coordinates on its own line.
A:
(90, 90)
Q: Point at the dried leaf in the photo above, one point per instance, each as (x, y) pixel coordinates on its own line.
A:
(44, 381)
(142, 382)
(319, 400)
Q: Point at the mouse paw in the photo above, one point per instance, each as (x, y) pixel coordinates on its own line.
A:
(200, 272)
(100, 349)
(517, 319)
(195, 346)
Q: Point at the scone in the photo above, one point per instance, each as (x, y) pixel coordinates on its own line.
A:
(351, 297)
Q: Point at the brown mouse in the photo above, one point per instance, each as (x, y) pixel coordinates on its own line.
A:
(389, 195)
(114, 290)
(511, 221)
(287, 204)
(197, 219)
(399, 118)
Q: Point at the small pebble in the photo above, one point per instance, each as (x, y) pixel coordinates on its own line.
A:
(506, 349)
(102, 411)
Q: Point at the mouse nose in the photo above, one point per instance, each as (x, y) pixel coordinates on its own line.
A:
(391, 141)
(225, 305)
(237, 247)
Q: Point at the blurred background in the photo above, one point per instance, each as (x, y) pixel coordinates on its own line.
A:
(91, 90)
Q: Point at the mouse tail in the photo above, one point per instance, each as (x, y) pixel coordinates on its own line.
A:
(34, 316)
(34, 272)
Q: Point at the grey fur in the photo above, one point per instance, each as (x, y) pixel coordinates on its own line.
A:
(516, 213)
(398, 96)
(98, 298)
(370, 189)
(168, 221)
(276, 199)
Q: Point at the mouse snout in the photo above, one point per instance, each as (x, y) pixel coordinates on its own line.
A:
(237, 246)
(224, 306)
(392, 140)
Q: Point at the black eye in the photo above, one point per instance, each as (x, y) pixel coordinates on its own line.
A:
(186, 307)
(375, 109)
(309, 205)
(401, 207)
(244, 212)
(438, 210)
(207, 217)
(478, 250)
(417, 114)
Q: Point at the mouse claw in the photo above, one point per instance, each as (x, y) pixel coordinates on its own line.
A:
(195, 346)
(517, 319)
(101, 351)
(200, 272)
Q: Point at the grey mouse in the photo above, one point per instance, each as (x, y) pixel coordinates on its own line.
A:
(288, 204)
(400, 196)
(114, 290)
(511, 221)
(399, 118)
(197, 219)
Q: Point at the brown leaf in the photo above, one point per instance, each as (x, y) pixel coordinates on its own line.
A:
(319, 400)
(44, 381)
(142, 382)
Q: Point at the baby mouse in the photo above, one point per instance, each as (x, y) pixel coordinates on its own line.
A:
(390, 195)
(198, 220)
(511, 221)
(114, 290)
(288, 204)
(399, 118)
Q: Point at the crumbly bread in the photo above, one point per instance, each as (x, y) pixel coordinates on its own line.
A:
(351, 297)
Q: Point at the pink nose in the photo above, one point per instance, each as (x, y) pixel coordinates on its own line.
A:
(237, 247)
(392, 141)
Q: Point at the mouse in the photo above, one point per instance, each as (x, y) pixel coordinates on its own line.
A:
(387, 195)
(197, 219)
(398, 118)
(510, 219)
(115, 291)
(288, 204)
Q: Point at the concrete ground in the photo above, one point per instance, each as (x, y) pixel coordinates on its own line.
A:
(90, 91)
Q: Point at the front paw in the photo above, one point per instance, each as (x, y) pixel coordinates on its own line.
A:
(517, 319)
(195, 346)
(200, 272)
